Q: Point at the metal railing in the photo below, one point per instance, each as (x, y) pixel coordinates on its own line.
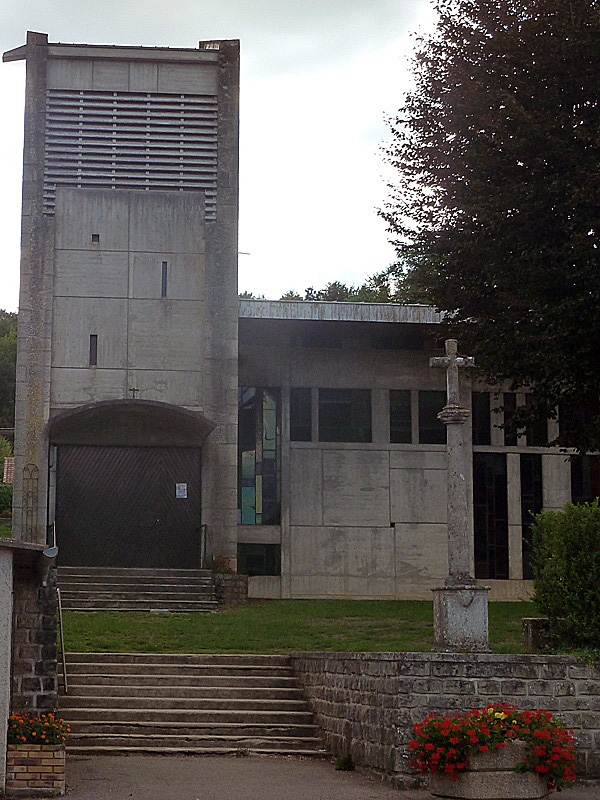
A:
(62, 641)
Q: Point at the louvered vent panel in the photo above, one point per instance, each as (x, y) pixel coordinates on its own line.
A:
(122, 140)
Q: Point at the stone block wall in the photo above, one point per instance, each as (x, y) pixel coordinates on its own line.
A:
(34, 678)
(231, 590)
(367, 703)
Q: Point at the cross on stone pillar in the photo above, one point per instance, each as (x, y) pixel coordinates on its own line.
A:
(454, 418)
(134, 392)
(460, 606)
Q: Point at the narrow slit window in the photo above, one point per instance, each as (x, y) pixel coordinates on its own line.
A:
(163, 280)
(93, 349)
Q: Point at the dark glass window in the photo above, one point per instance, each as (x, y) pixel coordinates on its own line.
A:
(93, 349)
(400, 417)
(163, 279)
(259, 559)
(537, 431)
(259, 480)
(585, 478)
(320, 339)
(344, 415)
(490, 512)
(398, 340)
(509, 401)
(431, 430)
(573, 420)
(532, 502)
(481, 419)
(300, 415)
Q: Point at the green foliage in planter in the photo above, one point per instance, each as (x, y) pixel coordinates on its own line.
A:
(46, 729)
(5, 496)
(567, 572)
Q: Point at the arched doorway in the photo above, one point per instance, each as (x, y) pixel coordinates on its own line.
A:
(128, 484)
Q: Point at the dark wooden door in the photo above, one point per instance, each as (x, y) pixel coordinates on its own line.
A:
(128, 506)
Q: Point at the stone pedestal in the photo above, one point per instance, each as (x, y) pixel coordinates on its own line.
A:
(460, 618)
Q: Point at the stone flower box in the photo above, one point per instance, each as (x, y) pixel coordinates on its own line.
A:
(491, 776)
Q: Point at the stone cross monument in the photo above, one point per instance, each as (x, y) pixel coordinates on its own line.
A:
(460, 615)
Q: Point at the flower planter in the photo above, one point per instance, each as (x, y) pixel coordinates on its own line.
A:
(35, 770)
(491, 776)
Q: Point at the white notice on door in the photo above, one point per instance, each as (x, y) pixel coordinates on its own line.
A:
(181, 491)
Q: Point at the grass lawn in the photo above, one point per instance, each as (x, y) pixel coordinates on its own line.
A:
(281, 626)
(5, 529)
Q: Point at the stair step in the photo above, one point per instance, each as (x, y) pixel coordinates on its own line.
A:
(196, 693)
(205, 742)
(121, 589)
(217, 716)
(197, 681)
(187, 703)
(141, 572)
(200, 751)
(145, 660)
(133, 728)
(190, 703)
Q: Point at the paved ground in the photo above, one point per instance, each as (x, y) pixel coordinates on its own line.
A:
(233, 778)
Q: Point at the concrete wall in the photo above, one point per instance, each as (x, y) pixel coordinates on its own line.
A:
(367, 703)
(369, 520)
(179, 349)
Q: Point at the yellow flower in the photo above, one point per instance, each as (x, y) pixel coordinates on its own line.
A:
(500, 715)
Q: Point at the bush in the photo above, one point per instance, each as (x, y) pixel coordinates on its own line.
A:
(5, 497)
(567, 572)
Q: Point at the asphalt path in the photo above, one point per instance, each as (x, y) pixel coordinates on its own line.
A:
(139, 777)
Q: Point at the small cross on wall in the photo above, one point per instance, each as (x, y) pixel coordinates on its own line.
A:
(134, 393)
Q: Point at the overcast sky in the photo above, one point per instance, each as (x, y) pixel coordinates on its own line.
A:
(318, 79)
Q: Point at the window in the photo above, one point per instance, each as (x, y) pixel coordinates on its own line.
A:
(93, 349)
(400, 417)
(259, 483)
(95, 238)
(481, 418)
(509, 402)
(163, 279)
(300, 415)
(537, 431)
(431, 429)
(490, 515)
(344, 415)
(532, 501)
(585, 479)
(259, 559)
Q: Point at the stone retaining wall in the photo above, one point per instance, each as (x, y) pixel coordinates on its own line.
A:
(34, 681)
(367, 703)
(231, 589)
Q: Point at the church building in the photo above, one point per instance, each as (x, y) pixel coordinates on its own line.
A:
(161, 421)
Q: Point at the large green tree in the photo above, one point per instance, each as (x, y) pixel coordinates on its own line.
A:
(495, 213)
(8, 361)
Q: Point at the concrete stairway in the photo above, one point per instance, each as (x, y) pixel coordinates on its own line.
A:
(121, 702)
(116, 589)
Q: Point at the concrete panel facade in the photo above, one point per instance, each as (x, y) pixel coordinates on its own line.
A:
(128, 289)
(369, 519)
